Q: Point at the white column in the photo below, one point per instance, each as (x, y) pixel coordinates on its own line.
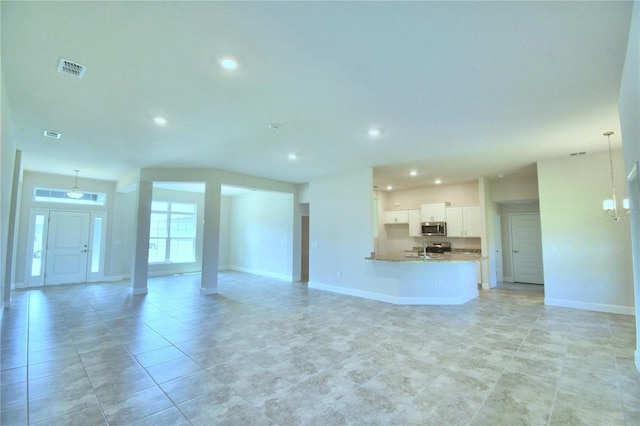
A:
(296, 243)
(211, 238)
(140, 263)
(11, 243)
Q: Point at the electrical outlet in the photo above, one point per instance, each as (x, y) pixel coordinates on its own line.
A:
(339, 274)
(601, 287)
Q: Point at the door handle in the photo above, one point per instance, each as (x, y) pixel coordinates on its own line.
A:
(84, 251)
(515, 251)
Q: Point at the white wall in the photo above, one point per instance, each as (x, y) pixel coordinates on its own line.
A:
(225, 232)
(629, 100)
(513, 188)
(340, 233)
(629, 105)
(303, 193)
(582, 248)
(457, 194)
(119, 254)
(261, 234)
(7, 156)
(488, 244)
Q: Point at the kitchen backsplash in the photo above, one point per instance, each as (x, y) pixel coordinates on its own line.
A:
(395, 242)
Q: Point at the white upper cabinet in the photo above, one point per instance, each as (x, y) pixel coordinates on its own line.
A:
(472, 221)
(435, 212)
(415, 227)
(396, 216)
(455, 227)
(464, 221)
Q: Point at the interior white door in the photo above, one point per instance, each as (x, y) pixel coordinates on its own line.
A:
(526, 244)
(497, 230)
(67, 247)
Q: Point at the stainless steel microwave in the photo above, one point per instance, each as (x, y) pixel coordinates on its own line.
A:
(434, 228)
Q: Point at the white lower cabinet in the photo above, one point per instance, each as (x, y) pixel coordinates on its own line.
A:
(464, 221)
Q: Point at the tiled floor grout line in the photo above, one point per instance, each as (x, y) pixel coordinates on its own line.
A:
(557, 386)
(503, 370)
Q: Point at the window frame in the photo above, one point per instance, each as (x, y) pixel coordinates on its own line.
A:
(168, 212)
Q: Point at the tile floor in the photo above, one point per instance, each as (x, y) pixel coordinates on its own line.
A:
(267, 352)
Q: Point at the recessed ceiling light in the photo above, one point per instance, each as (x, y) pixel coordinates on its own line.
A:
(389, 187)
(160, 121)
(500, 176)
(413, 173)
(228, 62)
(438, 181)
(274, 126)
(374, 132)
(292, 156)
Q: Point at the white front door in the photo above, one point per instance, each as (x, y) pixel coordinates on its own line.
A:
(526, 244)
(67, 247)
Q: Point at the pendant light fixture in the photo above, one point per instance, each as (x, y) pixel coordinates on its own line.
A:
(75, 191)
(610, 206)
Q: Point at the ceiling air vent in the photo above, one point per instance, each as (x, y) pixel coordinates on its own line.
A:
(50, 134)
(65, 66)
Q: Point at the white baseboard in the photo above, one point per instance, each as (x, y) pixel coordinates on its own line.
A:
(393, 299)
(638, 359)
(261, 272)
(587, 306)
(208, 291)
(113, 278)
(507, 279)
(137, 291)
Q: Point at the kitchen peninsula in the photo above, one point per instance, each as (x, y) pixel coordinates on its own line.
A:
(437, 280)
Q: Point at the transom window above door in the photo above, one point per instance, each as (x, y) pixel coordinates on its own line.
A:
(48, 195)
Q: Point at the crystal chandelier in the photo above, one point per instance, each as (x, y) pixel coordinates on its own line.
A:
(610, 206)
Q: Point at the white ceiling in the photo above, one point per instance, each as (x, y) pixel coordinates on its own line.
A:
(459, 89)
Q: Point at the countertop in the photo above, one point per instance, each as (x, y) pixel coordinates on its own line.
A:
(456, 257)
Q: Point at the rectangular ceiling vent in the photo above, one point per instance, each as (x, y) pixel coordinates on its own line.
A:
(50, 134)
(65, 66)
